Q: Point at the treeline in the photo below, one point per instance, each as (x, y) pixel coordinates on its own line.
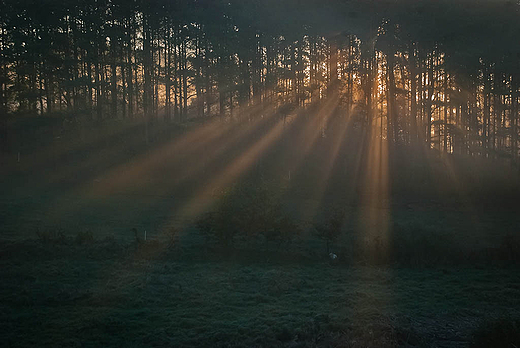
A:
(441, 73)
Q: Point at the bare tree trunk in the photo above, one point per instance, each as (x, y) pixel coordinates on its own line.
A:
(156, 72)
(413, 96)
(147, 91)
(430, 89)
(221, 100)
(185, 83)
(99, 102)
(333, 78)
(486, 96)
(167, 76)
(130, 82)
(514, 117)
(198, 81)
(207, 81)
(40, 93)
(124, 67)
(113, 78)
(392, 109)
(445, 112)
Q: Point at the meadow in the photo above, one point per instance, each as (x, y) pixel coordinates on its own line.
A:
(417, 265)
(106, 294)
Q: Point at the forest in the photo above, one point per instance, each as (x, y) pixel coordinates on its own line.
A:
(441, 73)
(267, 173)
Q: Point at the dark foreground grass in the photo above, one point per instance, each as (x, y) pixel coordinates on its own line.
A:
(113, 295)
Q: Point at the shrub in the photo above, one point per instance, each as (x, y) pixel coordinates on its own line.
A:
(417, 244)
(268, 219)
(217, 227)
(110, 239)
(330, 231)
(85, 237)
(55, 236)
(510, 248)
(249, 211)
(173, 235)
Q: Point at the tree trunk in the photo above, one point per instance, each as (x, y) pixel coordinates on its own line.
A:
(430, 89)
(113, 78)
(392, 109)
(99, 103)
(413, 96)
(445, 123)
(514, 117)
(333, 78)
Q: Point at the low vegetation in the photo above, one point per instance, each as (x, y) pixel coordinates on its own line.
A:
(110, 294)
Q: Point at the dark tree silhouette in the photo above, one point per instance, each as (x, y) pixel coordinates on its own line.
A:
(436, 73)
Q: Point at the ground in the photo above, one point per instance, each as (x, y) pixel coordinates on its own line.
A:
(74, 274)
(108, 295)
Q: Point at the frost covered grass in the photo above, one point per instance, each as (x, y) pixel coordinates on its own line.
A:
(107, 294)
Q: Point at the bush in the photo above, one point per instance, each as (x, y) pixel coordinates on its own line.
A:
(85, 237)
(510, 248)
(268, 219)
(330, 231)
(417, 244)
(173, 236)
(55, 236)
(251, 212)
(217, 227)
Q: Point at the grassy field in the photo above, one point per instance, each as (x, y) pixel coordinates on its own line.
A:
(73, 273)
(112, 295)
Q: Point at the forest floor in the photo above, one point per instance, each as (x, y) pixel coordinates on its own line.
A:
(111, 295)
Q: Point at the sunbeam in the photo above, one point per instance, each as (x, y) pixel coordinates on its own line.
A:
(250, 173)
